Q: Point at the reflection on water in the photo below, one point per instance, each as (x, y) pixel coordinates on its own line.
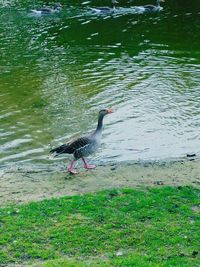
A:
(58, 71)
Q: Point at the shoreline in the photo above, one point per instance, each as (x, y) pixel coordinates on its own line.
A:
(23, 184)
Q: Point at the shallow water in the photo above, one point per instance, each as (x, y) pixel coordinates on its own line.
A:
(58, 71)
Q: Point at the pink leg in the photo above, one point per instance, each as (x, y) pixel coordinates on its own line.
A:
(71, 166)
(87, 166)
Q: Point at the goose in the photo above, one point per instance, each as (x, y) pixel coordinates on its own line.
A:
(47, 10)
(83, 146)
(105, 9)
(150, 8)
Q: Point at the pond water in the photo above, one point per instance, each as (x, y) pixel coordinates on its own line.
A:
(57, 71)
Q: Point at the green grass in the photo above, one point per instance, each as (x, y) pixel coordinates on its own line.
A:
(154, 227)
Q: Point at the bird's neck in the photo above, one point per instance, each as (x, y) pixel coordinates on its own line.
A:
(113, 6)
(99, 125)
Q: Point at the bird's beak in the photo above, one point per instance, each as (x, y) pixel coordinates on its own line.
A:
(110, 110)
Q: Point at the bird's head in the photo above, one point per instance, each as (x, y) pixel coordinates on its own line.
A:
(104, 112)
(57, 6)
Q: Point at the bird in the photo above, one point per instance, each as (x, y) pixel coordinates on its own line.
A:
(150, 8)
(105, 9)
(47, 10)
(83, 146)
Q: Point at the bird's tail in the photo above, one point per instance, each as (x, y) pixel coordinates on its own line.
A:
(36, 12)
(59, 150)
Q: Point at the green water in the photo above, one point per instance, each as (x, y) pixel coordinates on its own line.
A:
(57, 71)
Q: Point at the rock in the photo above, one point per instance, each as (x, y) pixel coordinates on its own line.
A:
(119, 253)
(195, 253)
(191, 155)
(159, 182)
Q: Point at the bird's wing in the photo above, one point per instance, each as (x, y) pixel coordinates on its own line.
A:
(46, 9)
(79, 143)
(100, 9)
(149, 6)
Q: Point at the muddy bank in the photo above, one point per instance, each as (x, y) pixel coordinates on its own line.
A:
(23, 184)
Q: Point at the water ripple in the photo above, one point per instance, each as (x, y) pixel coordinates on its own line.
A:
(58, 71)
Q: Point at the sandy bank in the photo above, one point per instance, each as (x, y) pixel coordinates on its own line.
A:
(24, 184)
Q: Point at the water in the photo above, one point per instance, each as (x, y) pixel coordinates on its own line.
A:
(58, 71)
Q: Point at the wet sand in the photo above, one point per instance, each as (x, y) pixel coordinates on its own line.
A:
(23, 184)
